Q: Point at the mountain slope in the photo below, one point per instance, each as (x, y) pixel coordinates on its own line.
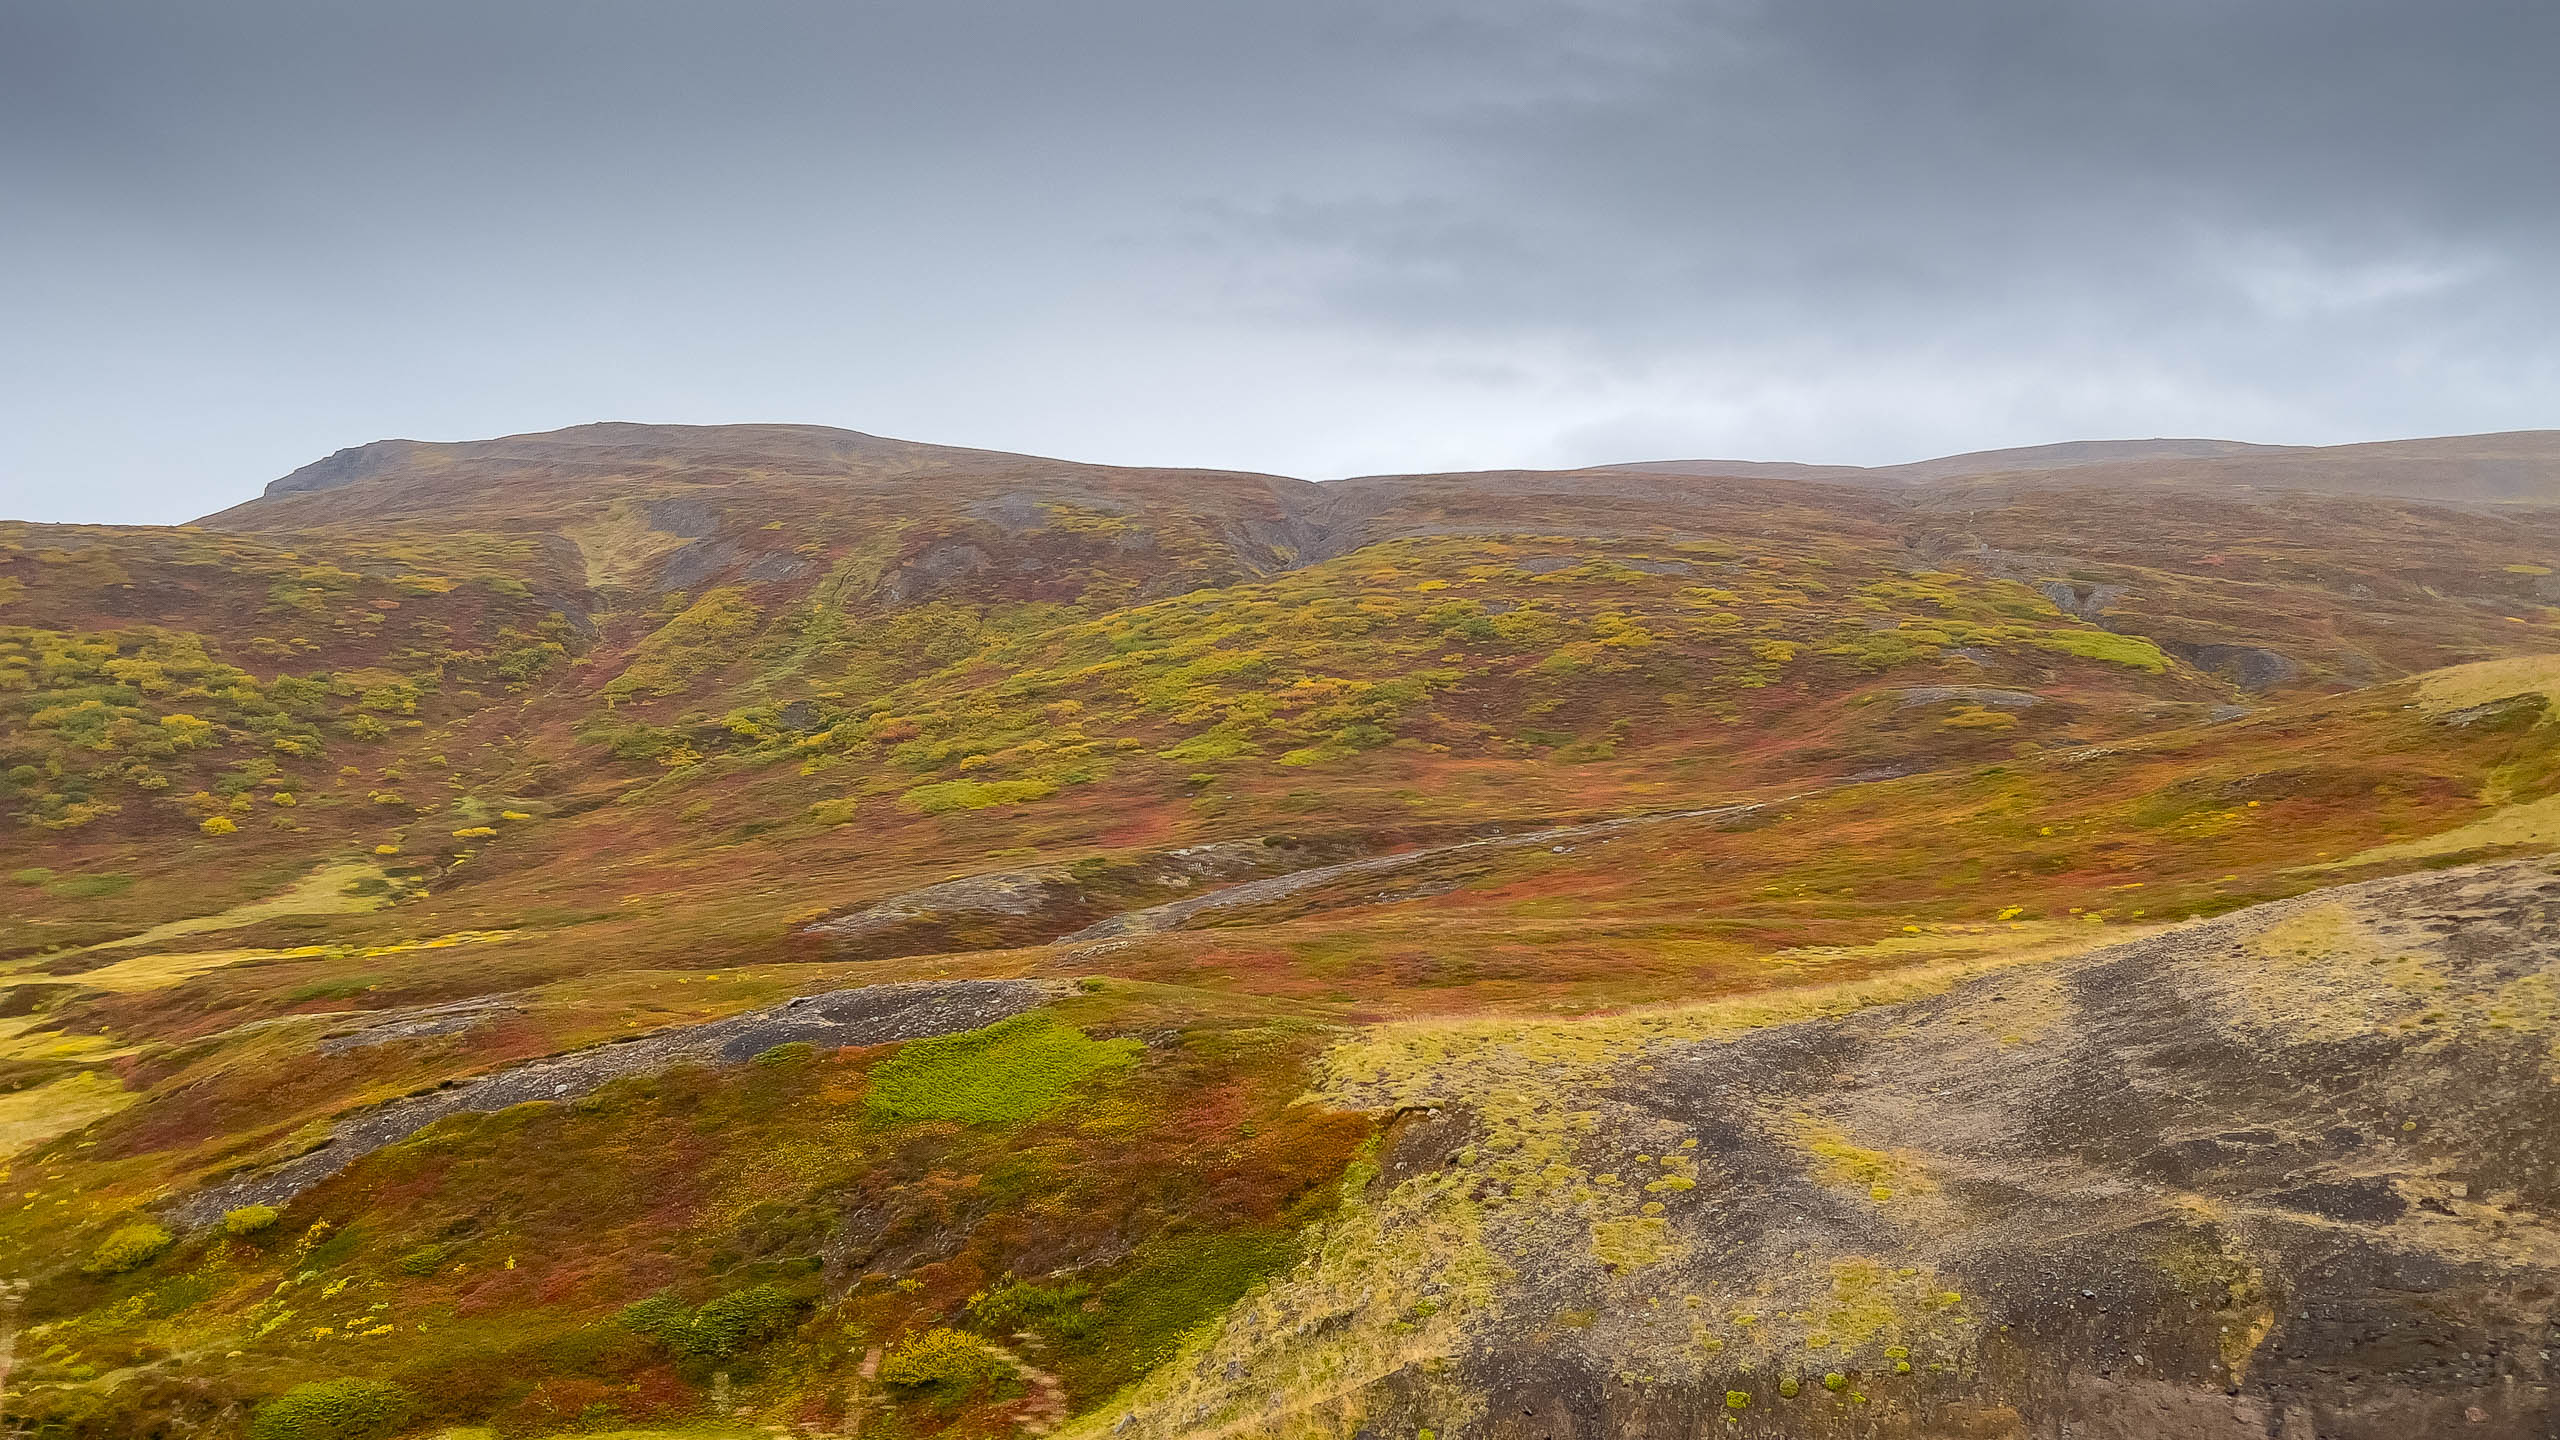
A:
(655, 811)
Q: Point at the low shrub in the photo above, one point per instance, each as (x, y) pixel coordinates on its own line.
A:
(129, 1248)
(1015, 1304)
(721, 1328)
(349, 1409)
(941, 1357)
(734, 1321)
(248, 1220)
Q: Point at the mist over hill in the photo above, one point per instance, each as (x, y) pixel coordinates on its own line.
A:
(771, 926)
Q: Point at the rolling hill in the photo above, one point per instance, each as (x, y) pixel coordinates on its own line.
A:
(2519, 468)
(750, 927)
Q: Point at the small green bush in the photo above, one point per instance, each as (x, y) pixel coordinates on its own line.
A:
(32, 875)
(941, 1357)
(1015, 1304)
(720, 1329)
(347, 1409)
(657, 1317)
(128, 1248)
(735, 1321)
(248, 1220)
(834, 812)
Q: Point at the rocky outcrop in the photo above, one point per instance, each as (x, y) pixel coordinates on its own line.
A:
(2251, 667)
(866, 1015)
(2293, 1172)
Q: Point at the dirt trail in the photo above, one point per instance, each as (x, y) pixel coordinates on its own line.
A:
(1178, 913)
(1044, 1408)
(865, 1015)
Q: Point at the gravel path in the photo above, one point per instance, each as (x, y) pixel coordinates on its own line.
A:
(1178, 913)
(867, 1015)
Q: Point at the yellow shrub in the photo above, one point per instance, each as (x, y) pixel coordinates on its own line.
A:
(217, 825)
(248, 1219)
(190, 732)
(940, 1356)
(134, 1245)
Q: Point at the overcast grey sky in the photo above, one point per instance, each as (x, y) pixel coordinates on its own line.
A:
(1307, 236)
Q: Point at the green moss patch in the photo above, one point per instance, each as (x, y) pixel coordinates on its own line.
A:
(1008, 1073)
(2130, 650)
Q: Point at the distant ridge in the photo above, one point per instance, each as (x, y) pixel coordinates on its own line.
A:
(536, 480)
(518, 477)
(615, 442)
(2514, 467)
(2069, 454)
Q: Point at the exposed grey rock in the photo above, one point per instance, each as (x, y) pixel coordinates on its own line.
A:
(2088, 601)
(1002, 892)
(2251, 667)
(866, 1015)
(418, 1023)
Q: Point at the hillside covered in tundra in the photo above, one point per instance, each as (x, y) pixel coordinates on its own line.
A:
(725, 931)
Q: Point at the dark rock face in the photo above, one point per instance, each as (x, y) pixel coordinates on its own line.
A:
(2251, 667)
(2086, 601)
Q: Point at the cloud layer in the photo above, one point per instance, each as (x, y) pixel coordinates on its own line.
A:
(1319, 238)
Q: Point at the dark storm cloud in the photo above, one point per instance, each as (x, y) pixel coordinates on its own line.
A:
(1315, 237)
